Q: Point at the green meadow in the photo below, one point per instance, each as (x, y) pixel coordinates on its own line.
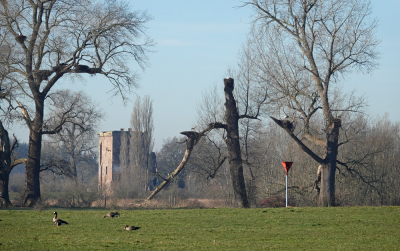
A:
(335, 228)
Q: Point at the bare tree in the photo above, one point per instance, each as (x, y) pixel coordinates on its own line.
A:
(312, 41)
(53, 39)
(229, 125)
(250, 100)
(8, 146)
(141, 141)
(79, 118)
(368, 165)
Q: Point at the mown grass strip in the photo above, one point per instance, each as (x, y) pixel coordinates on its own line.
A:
(355, 228)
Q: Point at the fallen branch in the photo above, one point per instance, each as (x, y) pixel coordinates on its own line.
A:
(192, 139)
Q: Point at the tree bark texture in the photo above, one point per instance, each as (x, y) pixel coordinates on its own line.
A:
(327, 191)
(5, 164)
(32, 166)
(233, 143)
(4, 194)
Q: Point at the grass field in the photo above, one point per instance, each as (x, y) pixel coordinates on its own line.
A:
(340, 228)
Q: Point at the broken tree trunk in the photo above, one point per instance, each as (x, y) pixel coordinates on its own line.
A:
(327, 164)
(233, 143)
(5, 167)
(6, 164)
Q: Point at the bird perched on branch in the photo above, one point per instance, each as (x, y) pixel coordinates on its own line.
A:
(111, 215)
(58, 222)
(128, 228)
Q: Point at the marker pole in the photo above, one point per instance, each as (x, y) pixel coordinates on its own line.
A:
(286, 191)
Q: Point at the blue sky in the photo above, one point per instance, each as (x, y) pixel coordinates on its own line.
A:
(196, 43)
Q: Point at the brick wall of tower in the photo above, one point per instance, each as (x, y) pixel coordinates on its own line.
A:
(109, 150)
(109, 159)
(105, 161)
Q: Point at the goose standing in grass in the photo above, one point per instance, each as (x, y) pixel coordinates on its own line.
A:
(58, 222)
(128, 228)
(112, 215)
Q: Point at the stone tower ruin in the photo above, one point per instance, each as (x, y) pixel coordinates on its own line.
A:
(109, 159)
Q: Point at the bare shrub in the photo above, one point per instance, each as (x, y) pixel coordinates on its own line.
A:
(66, 192)
(274, 201)
(77, 194)
(191, 204)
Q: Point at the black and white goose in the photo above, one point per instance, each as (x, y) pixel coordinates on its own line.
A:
(58, 222)
(111, 215)
(128, 228)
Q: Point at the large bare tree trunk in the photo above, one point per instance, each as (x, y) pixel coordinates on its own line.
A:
(327, 190)
(328, 168)
(32, 166)
(32, 170)
(233, 144)
(4, 195)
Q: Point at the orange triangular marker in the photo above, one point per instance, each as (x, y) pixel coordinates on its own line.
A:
(287, 166)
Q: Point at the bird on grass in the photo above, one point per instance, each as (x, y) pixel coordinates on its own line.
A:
(128, 228)
(111, 215)
(58, 222)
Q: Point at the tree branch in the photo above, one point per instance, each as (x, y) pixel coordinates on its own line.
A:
(25, 115)
(289, 129)
(192, 139)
